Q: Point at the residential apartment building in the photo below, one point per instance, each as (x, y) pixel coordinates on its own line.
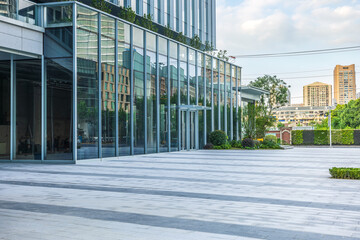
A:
(317, 94)
(304, 116)
(344, 84)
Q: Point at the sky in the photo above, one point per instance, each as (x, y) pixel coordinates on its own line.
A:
(275, 26)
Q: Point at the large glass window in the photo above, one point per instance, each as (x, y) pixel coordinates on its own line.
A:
(28, 109)
(201, 82)
(124, 88)
(88, 92)
(222, 95)
(239, 123)
(192, 77)
(5, 108)
(174, 96)
(151, 92)
(228, 101)
(234, 93)
(59, 83)
(139, 117)
(163, 69)
(108, 118)
(209, 96)
(216, 92)
(183, 76)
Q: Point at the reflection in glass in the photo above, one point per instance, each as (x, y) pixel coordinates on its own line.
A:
(216, 93)
(183, 76)
(174, 96)
(124, 88)
(234, 93)
(88, 97)
(151, 92)
(222, 96)
(139, 117)
(163, 68)
(108, 110)
(201, 83)
(208, 95)
(28, 109)
(5, 109)
(228, 101)
(192, 77)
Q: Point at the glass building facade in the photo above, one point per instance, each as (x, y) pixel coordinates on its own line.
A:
(105, 88)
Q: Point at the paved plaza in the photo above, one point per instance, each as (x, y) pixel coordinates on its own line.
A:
(210, 195)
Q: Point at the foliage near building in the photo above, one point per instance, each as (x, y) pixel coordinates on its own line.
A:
(345, 173)
(322, 137)
(218, 137)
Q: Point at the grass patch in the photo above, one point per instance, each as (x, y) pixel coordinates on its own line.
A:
(345, 173)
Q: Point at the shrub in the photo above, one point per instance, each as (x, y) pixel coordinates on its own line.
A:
(297, 137)
(345, 173)
(270, 144)
(209, 146)
(321, 137)
(308, 137)
(247, 143)
(271, 138)
(347, 137)
(223, 146)
(257, 143)
(217, 137)
(235, 144)
(336, 136)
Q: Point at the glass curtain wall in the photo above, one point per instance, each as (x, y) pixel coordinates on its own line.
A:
(139, 103)
(5, 107)
(192, 77)
(209, 96)
(59, 91)
(201, 87)
(234, 93)
(183, 76)
(216, 92)
(108, 110)
(174, 96)
(88, 92)
(239, 114)
(228, 100)
(123, 88)
(151, 92)
(28, 109)
(222, 95)
(164, 96)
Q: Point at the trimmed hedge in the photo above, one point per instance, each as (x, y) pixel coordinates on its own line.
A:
(345, 173)
(322, 137)
(218, 138)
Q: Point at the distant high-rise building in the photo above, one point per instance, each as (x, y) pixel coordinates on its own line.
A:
(317, 94)
(358, 95)
(344, 83)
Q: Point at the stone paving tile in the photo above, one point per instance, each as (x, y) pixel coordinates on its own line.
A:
(184, 195)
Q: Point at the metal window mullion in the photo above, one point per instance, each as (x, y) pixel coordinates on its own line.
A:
(132, 118)
(225, 100)
(145, 93)
(116, 91)
(74, 94)
(237, 105)
(231, 106)
(99, 89)
(197, 129)
(178, 100)
(12, 108)
(168, 97)
(212, 96)
(219, 98)
(157, 97)
(43, 110)
(204, 102)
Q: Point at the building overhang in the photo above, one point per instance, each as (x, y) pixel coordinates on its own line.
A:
(250, 94)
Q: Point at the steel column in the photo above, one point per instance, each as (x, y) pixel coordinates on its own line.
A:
(99, 89)
(157, 97)
(74, 89)
(116, 90)
(168, 97)
(132, 117)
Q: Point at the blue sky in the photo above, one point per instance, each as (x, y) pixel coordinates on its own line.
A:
(273, 26)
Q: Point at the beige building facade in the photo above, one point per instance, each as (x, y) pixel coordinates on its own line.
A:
(317, 94)
(293, 116)
(344, 84)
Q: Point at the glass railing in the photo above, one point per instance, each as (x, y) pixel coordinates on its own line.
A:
(22, 10)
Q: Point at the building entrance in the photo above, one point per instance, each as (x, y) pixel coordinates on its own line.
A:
(188, 130)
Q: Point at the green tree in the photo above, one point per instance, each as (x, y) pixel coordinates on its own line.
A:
(147, 22)
(222, 54)
(127, 14)
(195, 42)
(181, 38)
(102, 5)
(278, 96)
(168, 32)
